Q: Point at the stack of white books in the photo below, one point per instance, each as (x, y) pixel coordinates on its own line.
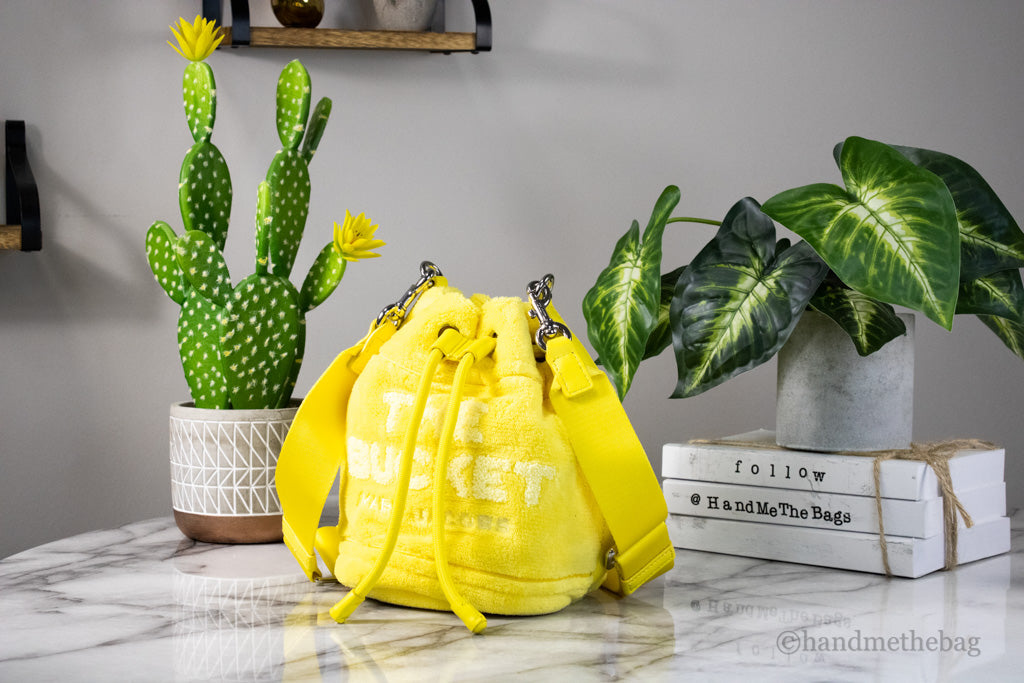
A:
(814, 508)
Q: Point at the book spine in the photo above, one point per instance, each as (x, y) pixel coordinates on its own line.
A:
(826, 473)
(799, 470)
(919, 519)
(909, 557)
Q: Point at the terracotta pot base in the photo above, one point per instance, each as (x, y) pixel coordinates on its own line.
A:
(219, 529)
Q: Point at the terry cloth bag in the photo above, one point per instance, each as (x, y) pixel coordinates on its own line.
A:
(474, 477)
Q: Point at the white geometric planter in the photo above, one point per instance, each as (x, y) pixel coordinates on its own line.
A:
(222, 472)
(830, 399)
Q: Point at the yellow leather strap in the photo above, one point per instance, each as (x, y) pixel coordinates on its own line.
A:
(614, 464)
(315, 449)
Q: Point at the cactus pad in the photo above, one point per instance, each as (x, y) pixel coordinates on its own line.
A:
(204, 268)
(264, 218)
(261, 330)
(160, 244)
(204, 192)
(199, 346)
(293, 94)
(199, 91)
(288, 178)
(323, 278)
(317, 124)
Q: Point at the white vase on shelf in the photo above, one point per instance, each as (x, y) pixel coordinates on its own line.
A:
(404, 15)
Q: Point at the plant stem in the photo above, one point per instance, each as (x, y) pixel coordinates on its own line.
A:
(691, 219)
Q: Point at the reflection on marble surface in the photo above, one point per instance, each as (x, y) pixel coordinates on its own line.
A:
(143, 603)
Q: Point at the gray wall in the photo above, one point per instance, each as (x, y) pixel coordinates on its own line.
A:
(501, 167)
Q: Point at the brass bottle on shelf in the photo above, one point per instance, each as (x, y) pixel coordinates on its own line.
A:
(298, 13)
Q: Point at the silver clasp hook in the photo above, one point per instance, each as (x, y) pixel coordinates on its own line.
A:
(539, 292)
(397, 311)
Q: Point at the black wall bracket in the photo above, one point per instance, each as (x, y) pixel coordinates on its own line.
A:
(213, 10)
(24, 231)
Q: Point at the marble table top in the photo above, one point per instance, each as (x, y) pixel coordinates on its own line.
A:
(143, 603)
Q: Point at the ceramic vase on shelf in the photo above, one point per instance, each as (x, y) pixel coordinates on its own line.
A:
(404, 15)
(831, 399)
(298, 13)
(222, 472)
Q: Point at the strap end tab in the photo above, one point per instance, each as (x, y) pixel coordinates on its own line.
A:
(647, 559)
(304, 556)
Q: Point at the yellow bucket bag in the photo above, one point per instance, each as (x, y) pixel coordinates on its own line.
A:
(486, 463)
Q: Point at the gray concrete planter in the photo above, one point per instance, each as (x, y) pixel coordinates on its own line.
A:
(830, 399)
(222, 472)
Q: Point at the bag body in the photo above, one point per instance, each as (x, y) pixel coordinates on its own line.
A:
(486, 463)
(524, 533)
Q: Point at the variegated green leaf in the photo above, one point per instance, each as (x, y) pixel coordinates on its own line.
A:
(661, 336)
(737, 302)
(1000, 294)
(621, 308)
(1009, 331)
(871, 324)
(990, 239)
(891, 234)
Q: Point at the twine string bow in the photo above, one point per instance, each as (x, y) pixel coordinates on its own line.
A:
(936, 455)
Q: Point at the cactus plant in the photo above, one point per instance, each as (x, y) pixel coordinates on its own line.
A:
(204, 199)
(260, 319)
(241, 346)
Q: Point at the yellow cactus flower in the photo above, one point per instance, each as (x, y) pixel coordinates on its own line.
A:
(354, 240)
(197, 40)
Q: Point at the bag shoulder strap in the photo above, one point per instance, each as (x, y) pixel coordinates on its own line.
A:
(314, 450)
(614, 464)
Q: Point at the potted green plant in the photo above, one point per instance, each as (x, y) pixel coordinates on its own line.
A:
(911, 228)
(241, 345)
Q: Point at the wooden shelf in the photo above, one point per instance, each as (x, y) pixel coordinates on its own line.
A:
(242, 34)
(356, 40)
(10, 238)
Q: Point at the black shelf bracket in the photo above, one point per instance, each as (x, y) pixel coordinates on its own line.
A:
(483, 25)
(22, 194)
(213, 10)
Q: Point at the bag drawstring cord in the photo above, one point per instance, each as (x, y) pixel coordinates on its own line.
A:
(355, 597)
(469, 615)
(452, 345)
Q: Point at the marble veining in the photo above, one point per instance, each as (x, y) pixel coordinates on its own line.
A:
(143, 603)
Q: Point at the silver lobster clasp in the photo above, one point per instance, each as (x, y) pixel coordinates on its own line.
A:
(539, 292)
(397, 311)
